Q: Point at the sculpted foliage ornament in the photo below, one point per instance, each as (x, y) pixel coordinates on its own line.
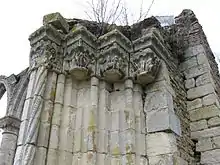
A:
(81, 64)
(47, 53)
(146, 66)
(112, 67)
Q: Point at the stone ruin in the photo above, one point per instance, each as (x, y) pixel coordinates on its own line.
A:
(131, 95)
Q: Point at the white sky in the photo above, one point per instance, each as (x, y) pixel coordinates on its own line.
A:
(19, 18)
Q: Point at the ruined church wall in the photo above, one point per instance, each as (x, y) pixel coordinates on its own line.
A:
(115, 99)
(202, 85)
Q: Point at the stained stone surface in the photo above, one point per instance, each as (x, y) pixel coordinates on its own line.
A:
(136, 95)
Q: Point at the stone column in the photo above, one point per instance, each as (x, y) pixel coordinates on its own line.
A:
(127, 128)
(46, 119)
(104, 121)
(140, 139)
(52, 156)
(91, 130)
(30, 142)
(25, 118)
(10, 126)
(66, 130)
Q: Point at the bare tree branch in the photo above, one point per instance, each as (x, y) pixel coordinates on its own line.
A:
(104, 12)
(145, 15)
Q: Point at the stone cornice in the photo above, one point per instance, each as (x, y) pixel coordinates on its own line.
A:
(110, 56)
(46, 32)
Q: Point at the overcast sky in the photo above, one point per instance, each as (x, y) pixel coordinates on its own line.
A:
(19, 18)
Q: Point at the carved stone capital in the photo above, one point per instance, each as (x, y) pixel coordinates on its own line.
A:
(113, 60)
(146, 66)
(80, 56)
(46, 53)
(81, 64)
(9, 123)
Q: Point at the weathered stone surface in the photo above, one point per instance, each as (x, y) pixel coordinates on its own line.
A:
(160, 143)
(204, 113)
(211, 157)
(57, 21)
(196, 71)
(161, 159)
(194, 51)
(198, 125)
(194, 104)
(210, 99)
(202, 59)
(189, 63)
(204, 79)
(162, 120)
(200, 91)
(165, 97)
(204, 144)
(211, 132)
(215, 121)
(190, 83)
(40, 157)
(216, 142)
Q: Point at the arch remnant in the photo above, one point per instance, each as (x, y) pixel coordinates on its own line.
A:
(16, 88)
(143, 94)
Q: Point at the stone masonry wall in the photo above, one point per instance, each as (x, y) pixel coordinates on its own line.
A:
(202, 86)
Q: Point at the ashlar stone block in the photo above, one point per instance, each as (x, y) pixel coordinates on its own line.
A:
(196, 71)
(211, 132)
(152, 104)
(160, 143)
(204, 113)
(211, 157)
(204, 79)
(200, 91)
(198, 125)
(216, 142)
(163, 120)
(194, 51)
(194, 104)
(215, 121)
(210, 99)
(167, 159)
(189, 63)
(204, 144)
